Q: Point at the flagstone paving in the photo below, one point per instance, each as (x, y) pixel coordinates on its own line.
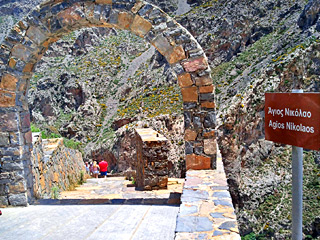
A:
(110, 221)
(206, 210)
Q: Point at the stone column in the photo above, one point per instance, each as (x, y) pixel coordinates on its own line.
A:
(199, 114)
(152, 160)
(16, 185)
(15, 172)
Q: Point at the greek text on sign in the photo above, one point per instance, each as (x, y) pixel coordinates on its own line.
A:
(293, 118)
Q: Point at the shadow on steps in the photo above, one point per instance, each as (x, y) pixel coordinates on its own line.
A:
(174, 199)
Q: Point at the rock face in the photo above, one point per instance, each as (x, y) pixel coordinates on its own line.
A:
(46, 101)
(55, 167)
(310, 15)
(252, 47)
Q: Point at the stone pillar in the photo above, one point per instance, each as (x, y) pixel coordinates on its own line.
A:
(15, 172)
(199, 115)
(152, 160)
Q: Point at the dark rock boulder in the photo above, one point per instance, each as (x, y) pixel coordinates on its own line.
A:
(318, 26)
(121, 122)
(310, 15)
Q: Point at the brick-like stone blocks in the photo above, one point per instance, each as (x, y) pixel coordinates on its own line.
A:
(7, 98)
(190, 94)
(195, 64)
(140, 26)
(198, 162)
(152, 160)
(8, 82)
(185, 80)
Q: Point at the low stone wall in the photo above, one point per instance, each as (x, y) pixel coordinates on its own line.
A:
(54, 165)
(206, 210)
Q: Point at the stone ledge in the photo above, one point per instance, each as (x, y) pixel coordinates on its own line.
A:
(206, 210)
(150, 135)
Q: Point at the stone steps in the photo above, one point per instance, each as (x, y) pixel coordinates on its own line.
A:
(117, 190)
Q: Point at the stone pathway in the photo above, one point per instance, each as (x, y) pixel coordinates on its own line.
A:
(206, 211)
(118, 190)
(99, 209)
(111, 209)
(114, 222)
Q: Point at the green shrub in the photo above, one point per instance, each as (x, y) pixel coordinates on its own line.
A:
(250, 236)
(46, 135)
(34, 128)
(55, 192)
(82, 178)
(133, 181)
(70, 143)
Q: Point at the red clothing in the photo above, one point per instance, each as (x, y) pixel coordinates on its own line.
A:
(103, 166)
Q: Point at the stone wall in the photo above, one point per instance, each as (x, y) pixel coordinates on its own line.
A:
(152, 160)
(206, 210)
(54, 165)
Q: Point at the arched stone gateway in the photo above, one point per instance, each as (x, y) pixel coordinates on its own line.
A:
(30, 39)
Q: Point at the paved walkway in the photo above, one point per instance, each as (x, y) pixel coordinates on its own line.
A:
(88, 222)
(111, 209)
(99, 209)
(117, 190)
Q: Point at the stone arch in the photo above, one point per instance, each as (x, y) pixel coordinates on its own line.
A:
(32, 36)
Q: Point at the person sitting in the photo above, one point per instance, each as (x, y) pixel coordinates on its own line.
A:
(103, 168)
(95, 169)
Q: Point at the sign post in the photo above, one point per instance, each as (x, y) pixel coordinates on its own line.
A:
(297, 180)
(294, 119)
(297, 186)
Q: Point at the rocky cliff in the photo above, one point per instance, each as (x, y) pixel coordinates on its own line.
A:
(256, 50)
(95, 85)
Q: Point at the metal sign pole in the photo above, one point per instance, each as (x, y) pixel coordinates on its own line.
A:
(297, 180)
(297, 168)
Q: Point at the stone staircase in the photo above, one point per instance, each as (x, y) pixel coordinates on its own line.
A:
(117, 190)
